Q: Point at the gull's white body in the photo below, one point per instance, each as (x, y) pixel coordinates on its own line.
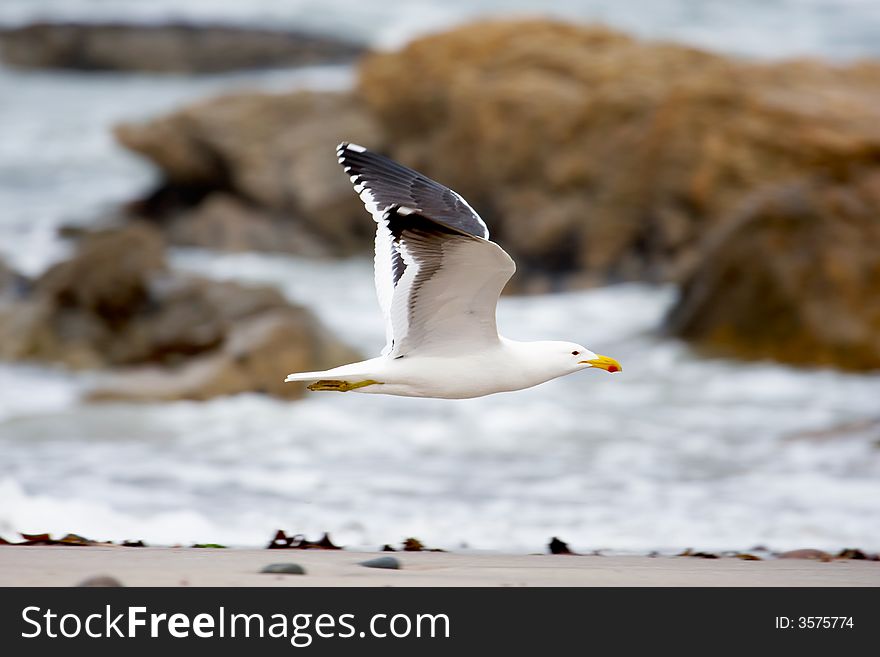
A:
(438, 279)
(509, 365)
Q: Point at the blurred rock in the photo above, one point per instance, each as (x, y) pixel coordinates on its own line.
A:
(166, 48)
(806, 553)
(101, 581)
(258, 352)
(109, 275)
(114, 304)
(388, 563)
(597, 157)
(225, 223)
(274, 153)
(794, 276)
(284, 569)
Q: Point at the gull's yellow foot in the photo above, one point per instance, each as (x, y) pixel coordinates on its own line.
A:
(340, 386)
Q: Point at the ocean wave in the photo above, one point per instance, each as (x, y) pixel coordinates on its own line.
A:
(679, 451)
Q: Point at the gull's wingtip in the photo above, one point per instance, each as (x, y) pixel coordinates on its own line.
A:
(349, 146)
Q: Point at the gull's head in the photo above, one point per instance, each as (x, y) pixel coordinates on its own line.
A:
(578, 357)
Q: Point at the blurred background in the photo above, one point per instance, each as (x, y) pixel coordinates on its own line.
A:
(690, 187)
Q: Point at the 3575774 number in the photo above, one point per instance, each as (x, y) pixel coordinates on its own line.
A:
(814, 622)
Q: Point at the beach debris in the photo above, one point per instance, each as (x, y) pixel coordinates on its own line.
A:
(215, 546)
(46, 539)
(68, 539)
(806, 553)
(36, 539)
(284, 569)
(856, 553)
(689, 552)
(415, 545)
(557, 546)
(746, 556)
(389, 563)
(279, 541)
(282, 541)
(412, 545)
(100, 581)
(75, 539)
(387, 548)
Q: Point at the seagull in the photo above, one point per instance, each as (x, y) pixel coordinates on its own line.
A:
(438, 277)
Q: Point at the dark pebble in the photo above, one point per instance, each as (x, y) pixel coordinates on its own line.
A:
(284, 569)
(389, 563)
(100, 581)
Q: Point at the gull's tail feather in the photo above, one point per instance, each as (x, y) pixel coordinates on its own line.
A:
(307, 376)
(363, 370)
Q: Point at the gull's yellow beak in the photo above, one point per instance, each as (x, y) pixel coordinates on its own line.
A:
(604, 363)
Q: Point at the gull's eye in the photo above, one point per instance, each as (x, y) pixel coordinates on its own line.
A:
(575, 353)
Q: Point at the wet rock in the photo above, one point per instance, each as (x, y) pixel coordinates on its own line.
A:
(224, 222)
(284, 569)
(389, 563)
(255, 356)
(794, 277)
(273, 153)
(597, 157)
(166, 48)
(100, 581)
(115, 305)
(109, 275)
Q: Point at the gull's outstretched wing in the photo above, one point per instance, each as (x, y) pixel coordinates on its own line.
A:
(438, 277)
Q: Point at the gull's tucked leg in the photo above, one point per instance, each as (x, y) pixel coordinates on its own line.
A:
(341, 386)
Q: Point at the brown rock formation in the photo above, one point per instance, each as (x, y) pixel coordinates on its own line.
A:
(273, 151)
(794, 277)
(114, 305)
(590, 151)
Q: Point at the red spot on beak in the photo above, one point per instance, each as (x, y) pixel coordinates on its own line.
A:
(612, 368)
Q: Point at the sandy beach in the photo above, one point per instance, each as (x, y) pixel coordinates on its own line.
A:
(68, 566)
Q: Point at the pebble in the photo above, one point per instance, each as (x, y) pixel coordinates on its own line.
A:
(100, 580)
(284, 569)
(806, 554)
(389, 563)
